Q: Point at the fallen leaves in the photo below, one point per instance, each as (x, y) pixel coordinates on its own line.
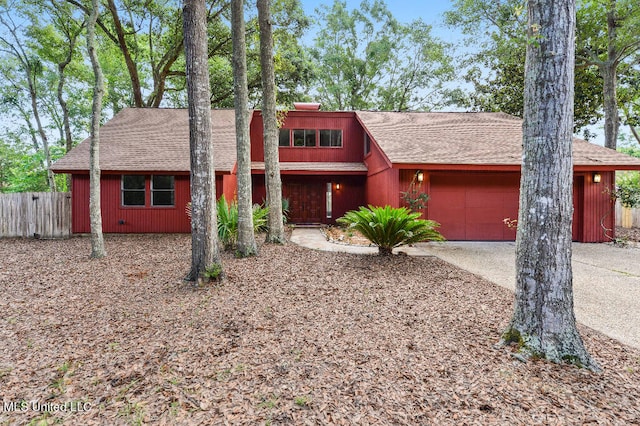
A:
(294, 336)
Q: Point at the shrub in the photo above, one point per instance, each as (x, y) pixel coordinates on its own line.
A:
(388, 227)
(228, 220)
(628, 189)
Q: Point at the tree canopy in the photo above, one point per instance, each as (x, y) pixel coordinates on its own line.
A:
(366, 59)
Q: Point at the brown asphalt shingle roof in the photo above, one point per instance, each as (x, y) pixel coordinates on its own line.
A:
(467, 138)
(152, 139)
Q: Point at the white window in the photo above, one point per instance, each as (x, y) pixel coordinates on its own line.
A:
(329, 201)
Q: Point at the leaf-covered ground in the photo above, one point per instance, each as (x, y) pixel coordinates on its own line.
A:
(292, 337)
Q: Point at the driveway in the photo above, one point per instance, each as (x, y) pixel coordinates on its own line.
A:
(606, 280)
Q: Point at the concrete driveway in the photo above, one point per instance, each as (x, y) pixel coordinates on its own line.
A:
(606, 280)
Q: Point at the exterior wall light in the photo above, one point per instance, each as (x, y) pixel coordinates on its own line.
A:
(337, 187)
(420, 176)
(597, 177)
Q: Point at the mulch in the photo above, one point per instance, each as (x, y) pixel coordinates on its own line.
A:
(293, 336)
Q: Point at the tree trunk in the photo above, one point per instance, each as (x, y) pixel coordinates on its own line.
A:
(275, 233)
(246, 238)
(31, 78)
(609, 77)
(97, 241)
(543, 323)
(136, 89)
(611, 119)
(205, 256)
(68, 138)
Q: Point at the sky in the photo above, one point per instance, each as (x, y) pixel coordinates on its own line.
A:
(405, 11)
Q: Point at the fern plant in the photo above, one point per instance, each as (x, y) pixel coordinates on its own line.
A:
(228, 221)
(389, 227)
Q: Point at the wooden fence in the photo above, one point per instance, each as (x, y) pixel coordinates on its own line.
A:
(35, 215)
(626, 217)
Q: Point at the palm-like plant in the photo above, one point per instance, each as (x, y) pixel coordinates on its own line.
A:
(228, 220)
(389, 227)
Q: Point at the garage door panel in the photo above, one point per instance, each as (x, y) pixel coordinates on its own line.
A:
(485, 232)
(473, 206)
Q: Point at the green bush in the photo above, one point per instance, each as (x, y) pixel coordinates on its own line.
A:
(389, 227)
(228, 221)
(628, 189)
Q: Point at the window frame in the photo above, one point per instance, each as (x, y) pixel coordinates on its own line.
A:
(171, 190)
(124, 190)
(331, 134)
(306, 133)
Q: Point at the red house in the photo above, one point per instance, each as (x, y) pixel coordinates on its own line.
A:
(332, 162)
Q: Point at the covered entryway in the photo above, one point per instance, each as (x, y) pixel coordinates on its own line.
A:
(307, 202)
(473, 206)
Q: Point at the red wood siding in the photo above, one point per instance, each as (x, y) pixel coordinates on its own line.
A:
(352, 137)
(471, 206)
(135, 219)
(383, 188)
(598, 207)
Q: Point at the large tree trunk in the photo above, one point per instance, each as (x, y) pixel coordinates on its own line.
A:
(246, 238)
(543, 323)
(97, 241)
(275, 233)
(205, 256)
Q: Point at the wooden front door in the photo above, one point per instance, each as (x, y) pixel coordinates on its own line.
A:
(306, 202)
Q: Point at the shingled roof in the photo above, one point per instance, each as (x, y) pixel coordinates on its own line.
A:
(152, 139)
(467, 138)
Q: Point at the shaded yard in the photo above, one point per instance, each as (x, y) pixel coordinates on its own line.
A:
(292, 337)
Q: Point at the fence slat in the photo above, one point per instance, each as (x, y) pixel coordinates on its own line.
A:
(629, 218)
(35, 214)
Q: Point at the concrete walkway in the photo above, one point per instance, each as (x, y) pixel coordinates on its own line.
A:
(606, 279)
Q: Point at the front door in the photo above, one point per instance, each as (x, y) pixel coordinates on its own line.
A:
(306, 202)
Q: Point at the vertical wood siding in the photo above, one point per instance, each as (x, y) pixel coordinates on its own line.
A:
(598, 207)
(35, 214)
(352, 137)
(119, 219)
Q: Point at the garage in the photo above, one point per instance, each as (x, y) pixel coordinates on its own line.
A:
(473, 206)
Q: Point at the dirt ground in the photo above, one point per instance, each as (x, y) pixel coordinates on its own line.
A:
(293, 336)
